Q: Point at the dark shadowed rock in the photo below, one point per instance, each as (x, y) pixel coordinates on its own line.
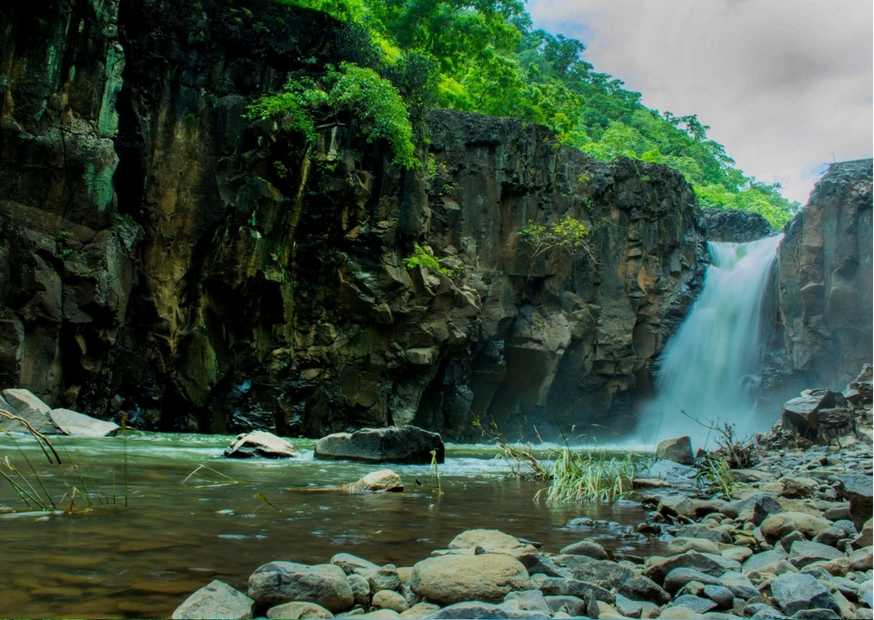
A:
(215, 600)
(26, 405)
(393, 444)
(857, 488)
(677, 449)
(733, 225)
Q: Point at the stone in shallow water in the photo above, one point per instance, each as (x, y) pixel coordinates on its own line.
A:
(259, 443)
(857, 488)
(215, 600)
(80, 425)
(803, 552)
(380, 481)
(393, 444)
(476, 609)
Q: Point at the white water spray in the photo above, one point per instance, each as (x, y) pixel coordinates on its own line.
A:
(710, 367)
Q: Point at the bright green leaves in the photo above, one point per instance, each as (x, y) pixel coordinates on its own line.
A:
(423, 257)
(372, 100)
(569, 234)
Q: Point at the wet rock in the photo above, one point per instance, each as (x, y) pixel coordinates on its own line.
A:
(777, 526)
(527, 600)
(640, 587)
(380, 481)
(711, 564)
(602, 573)
(476, 609)
(389, 599)
(695, 603)
(699, 531)
(455, 578)
(798, 591)
(560, 586)
(80, 425)
(298, 610)
(275, 583)
(634, 609)
(677, 449)
(803, 552)
(733, 225)
(25, 404)
(676, 475)
(862, 559)
(587, 548)
(259, 443)
(350, 563)
(215, 600)
(677, 578)
(420, 610)
(798, 487)
(721, 595)
(857, 488)
(393, 444)
(571, 605)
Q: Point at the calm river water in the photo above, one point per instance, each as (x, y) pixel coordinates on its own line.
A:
(177, 534)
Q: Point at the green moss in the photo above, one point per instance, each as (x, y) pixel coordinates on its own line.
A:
(423, 257)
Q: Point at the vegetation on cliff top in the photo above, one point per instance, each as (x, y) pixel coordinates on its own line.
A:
(485, 56)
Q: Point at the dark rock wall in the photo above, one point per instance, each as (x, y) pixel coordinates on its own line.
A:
(823, 280)
(164, 258)
(734, 226)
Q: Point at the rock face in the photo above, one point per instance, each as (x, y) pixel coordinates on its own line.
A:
(395, 444)
(164, 258)
(734, 226)
(823, 285)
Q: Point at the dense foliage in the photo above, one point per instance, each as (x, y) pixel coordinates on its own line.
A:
(485, 56)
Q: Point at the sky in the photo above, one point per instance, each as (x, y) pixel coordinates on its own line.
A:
(785, 85)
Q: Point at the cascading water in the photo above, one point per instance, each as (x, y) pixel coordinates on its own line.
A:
(710, 367)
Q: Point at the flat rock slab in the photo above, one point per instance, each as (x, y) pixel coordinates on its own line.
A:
(393, 444)
(215, 600)
(28, 406)
(78, 424)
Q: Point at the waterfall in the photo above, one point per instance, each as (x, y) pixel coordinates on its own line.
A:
(710, 367)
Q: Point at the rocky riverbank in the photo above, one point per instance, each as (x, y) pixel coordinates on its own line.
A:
(793, 540)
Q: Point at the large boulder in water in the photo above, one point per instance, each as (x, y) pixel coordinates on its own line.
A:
(380, 481)
(393, 444)
(259, 443)
(80, 425)
(28, 406)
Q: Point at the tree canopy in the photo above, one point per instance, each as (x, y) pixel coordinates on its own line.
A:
(486, 56)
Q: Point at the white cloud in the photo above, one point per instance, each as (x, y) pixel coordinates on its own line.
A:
(785, 85)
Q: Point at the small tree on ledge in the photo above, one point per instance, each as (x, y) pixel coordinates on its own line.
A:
(568, 235)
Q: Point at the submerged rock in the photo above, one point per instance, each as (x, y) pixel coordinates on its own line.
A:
(80, 425)
(393, 444)
(380, 481)
(259, 443)
(215, 600)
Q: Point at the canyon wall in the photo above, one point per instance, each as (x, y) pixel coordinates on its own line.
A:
(165, 260)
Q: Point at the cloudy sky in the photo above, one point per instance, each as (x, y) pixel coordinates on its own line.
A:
(785, 85)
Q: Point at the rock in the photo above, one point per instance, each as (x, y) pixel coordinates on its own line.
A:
(393, 444)
(797, 591)
(798, 487)
(679, 577)
(721, 595)
(857, 488)
(477, 609)
(571, 605)
(675, 474)
(806, 414)
(859, 390)
(420, 610)
(275, 583)
(527, 600)
(715, 565)
(677, 449)
(379, 614)
(360, 589)
(681, 545)
(634, 609)
(862, 559)
(803, 552)
(26, 405)
(80, 425)
(298, 610)
(763, 560)
(259, 443)
(380, 481)
(587, 548)
(816, 614)
(383, 578)
(491, 541)
(733, 225)
(756, 508)
(776, 526)
(640, 587)
(454, 578)
(572, 587)
(350, 563)
(695, 603)
(215, 600)
(388, 599)
(866, 536)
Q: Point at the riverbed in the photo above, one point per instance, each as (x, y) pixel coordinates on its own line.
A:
(180, 530)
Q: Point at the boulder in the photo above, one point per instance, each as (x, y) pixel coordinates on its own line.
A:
(756, 507)
(796, 591)
(259, 443)
(298, 610)
(26, 405)
(80, 425)
(380, 481)
(351, 563)
(804, 552)
(676, 449)
(679, 577)
(695, 603)
(709, 563)
(454, 578)
(865, 537)
(420, 610)
(215, 600)
(776, 526)
(491, 541)
(675, 474)
(393, 444)
(389, 599)
(476, 609)
(801, 415)
(283, 582)
(587, 548)
(564, 586)
(857, 488)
